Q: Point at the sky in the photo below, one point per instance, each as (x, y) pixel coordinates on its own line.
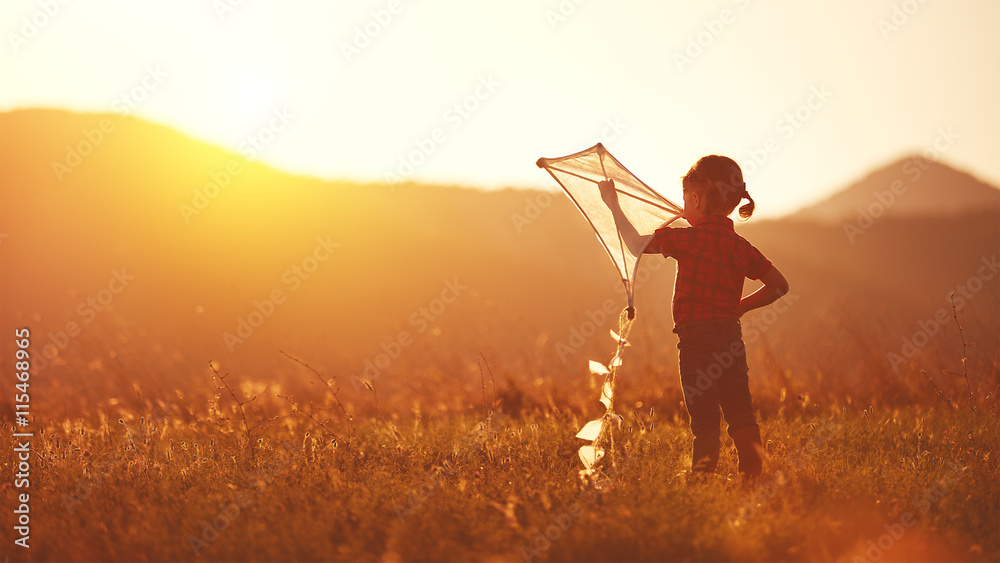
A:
(806, 95)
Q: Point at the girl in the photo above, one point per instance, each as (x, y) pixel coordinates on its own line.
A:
(712, 262)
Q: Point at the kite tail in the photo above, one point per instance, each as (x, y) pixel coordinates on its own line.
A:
(599, 431)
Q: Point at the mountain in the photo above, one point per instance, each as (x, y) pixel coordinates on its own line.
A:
(136, 254)
(231, 260)
(913, 186)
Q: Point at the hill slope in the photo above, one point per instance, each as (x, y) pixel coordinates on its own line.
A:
(407, 285)
(910, 187)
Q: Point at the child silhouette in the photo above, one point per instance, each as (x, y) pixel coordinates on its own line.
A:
(712, 263)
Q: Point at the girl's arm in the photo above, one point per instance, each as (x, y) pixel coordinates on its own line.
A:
(632, 239)
(775, 285)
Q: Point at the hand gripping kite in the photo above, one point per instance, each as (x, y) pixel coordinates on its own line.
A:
(646, 210)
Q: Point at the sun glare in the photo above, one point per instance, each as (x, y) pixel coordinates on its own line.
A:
(242, 99)
(250, 93)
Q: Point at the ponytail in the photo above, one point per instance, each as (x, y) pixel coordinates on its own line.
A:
(747, 210)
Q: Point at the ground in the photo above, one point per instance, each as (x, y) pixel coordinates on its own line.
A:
(839, 485)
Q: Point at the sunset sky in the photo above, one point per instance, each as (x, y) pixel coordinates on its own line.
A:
(807, 96)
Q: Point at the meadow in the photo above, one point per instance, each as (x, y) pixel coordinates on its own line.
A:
(235, 471)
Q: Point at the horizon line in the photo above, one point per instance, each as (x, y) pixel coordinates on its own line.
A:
(464, 184)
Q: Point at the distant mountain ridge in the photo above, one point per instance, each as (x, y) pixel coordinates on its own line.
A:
(913, 186)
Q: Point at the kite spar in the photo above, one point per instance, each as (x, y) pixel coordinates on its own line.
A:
(578, 174)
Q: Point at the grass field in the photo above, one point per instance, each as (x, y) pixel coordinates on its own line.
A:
(906, 484)
(473, 461)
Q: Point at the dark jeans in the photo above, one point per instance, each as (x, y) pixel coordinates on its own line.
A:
(714, 370)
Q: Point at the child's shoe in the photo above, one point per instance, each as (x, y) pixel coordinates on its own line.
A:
(750, 450)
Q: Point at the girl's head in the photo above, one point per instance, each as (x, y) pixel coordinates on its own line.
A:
(718, 183)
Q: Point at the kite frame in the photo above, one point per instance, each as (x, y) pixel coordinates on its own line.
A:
(602, 152)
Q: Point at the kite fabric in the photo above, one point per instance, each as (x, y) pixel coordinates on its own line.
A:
(579, 173)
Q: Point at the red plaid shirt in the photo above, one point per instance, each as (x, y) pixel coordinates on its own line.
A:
(712, 261)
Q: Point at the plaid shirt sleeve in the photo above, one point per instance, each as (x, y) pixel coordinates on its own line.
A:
(666, 240)
(669, 241)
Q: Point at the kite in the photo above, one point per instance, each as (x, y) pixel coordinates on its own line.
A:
(646, 210)
(642, 210)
